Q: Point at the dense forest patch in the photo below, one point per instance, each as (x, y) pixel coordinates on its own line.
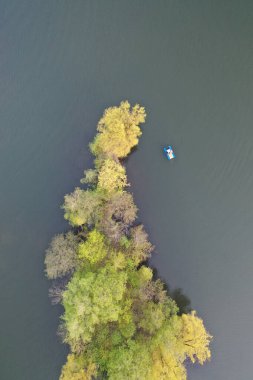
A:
(118, 321)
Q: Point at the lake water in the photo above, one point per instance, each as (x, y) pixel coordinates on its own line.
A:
(190, 63)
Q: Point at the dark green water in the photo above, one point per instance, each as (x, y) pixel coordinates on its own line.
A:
(191, 64)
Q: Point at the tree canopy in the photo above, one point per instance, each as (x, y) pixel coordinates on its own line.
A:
(81, 207)
(77, 368)
(92, 298)
(61, 256)
(194, 338)
(119, 320)
(118, 130)
(118, 214)
(94, 248)
(112, 176)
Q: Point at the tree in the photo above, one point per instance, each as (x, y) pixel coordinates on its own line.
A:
(139, 247)
(194, 338)
(118, 215)
(153, 291)
(153, 317)
(90, 177)
(92, 298)
(94, 248)
(112, 176)
(81, 207)
(130, 362)
(152, 314)
(76, 368)
(166, 366)
(58, 287)
(118, 130)
(61, 256)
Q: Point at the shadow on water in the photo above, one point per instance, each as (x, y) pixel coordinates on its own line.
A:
(183, 302)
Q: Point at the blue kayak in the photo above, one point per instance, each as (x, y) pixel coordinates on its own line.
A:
(169, 153)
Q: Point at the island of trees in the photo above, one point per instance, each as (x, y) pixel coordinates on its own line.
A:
(119, 321)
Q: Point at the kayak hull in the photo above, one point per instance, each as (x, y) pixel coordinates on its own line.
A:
(171, 155)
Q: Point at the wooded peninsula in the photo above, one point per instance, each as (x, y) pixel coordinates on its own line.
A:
(119, 321)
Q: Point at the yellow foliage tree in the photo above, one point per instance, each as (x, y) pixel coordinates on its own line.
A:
(112, 176)
(75, 369)
(118, 130)
(195, 339)
(165, 366)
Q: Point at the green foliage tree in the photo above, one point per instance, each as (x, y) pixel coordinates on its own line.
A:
(118, 130)
(94, 248)
(131, 362)
(61, 256)
(92, 298)
(153, 316)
